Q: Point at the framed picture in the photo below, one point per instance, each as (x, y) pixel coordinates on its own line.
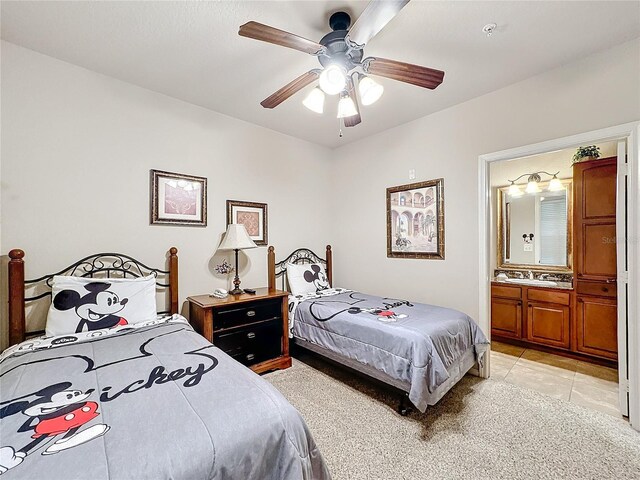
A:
(252, 215)
(415, 220)
(178, 199)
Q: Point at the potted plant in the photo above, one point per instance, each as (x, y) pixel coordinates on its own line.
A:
(583, 154)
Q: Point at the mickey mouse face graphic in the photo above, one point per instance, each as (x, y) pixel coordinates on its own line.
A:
(317, 276)
(96, 309)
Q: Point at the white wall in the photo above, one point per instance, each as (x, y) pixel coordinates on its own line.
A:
(77, 148)
(599, 91)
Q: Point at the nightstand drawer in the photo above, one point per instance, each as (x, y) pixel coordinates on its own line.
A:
(257, 312)
(252, 344)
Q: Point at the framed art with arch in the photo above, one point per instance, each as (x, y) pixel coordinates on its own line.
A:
(415, 220)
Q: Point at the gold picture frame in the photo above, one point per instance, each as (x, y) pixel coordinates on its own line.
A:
(415, 220)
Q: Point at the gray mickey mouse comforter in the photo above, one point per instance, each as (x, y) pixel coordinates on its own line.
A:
(417, 344)
(154, 401)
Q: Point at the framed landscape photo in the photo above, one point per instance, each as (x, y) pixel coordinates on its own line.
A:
(415, 220)
(178, 199)
(252, 215)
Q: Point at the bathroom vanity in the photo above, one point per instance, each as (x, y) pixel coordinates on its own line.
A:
(560, 293)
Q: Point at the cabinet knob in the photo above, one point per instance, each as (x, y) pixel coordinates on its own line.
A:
(580, 300)
(605, 289)
(251, 335)
(250, 356)
(251, 313)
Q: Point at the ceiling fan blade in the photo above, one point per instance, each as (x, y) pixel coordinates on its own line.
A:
(403, 72)
(289, 89)
(374, 18)
(269, 34)
(354, 119)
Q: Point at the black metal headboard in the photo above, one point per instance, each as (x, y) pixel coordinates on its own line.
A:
(301, 256)
(99, 265)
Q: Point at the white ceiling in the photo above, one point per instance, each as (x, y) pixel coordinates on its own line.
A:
(191, 50)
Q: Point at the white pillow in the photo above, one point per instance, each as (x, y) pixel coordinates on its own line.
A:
(307, 278)
(83, 304)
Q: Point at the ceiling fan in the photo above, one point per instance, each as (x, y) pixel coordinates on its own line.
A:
(340, 53)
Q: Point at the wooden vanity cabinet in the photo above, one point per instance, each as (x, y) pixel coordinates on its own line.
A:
(506, 311)
(548, 317)
(533, 315)
(594, 251)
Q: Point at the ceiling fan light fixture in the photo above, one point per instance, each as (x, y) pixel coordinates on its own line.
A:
(314, 101)
(346, 107)
(333, 79)
(370, 90)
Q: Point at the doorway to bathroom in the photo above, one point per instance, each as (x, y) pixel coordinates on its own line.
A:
(558, 269)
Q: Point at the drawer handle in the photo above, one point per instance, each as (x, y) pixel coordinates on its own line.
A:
(611, 280)
(605, 289)
(251, 356)
(251, 313)
(251, 335)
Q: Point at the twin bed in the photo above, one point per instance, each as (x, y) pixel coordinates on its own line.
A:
(421, 350)
(153, 399)
(139, 400)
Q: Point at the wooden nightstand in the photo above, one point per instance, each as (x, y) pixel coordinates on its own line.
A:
(253, 329)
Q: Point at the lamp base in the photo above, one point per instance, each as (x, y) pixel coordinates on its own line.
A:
(236, 291)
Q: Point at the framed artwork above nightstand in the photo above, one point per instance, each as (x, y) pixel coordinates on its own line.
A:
(252, 329)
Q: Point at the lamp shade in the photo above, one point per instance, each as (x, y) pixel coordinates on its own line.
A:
(333, 80)
(370, 90)
(236, 238)
(346, 107)
(315, 100)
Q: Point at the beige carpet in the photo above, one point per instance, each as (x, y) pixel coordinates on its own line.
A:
(482, 429)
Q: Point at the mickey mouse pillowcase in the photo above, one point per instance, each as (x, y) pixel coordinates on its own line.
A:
(307, 278)
(84, 304)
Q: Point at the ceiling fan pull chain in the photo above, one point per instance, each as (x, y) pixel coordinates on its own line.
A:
(340, 127)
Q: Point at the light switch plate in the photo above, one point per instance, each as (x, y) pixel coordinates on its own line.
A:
(412, 174)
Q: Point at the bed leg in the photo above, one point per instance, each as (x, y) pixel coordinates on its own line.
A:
(403, 407)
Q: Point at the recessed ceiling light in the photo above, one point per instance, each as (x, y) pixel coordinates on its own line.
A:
(489, 28)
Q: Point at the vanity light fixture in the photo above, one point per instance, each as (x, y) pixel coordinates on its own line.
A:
(514, 190)
(555, 184)
(533, 181)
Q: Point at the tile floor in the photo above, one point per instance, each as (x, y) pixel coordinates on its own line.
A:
(585, 384)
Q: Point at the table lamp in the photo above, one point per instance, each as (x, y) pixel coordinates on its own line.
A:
(236, 239)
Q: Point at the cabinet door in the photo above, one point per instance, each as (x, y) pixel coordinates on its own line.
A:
(548, 324)
(597, 326)
(506, 317)
(594, 219)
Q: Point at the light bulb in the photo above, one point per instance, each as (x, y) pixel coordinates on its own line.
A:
(315, 100)
(514, 190)
(346, 107)
(333, 80)
(370, 90)
(532, 187)
(555, 184)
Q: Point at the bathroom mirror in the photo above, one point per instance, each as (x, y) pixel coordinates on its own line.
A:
(535, 229)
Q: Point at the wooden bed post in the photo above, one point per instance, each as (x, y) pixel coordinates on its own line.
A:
(173, 278)
(16, 297)
(271, 268)
(329, 260)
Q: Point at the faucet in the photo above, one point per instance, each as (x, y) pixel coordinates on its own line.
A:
(520, 275)
(530, 275)
(544, 276)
